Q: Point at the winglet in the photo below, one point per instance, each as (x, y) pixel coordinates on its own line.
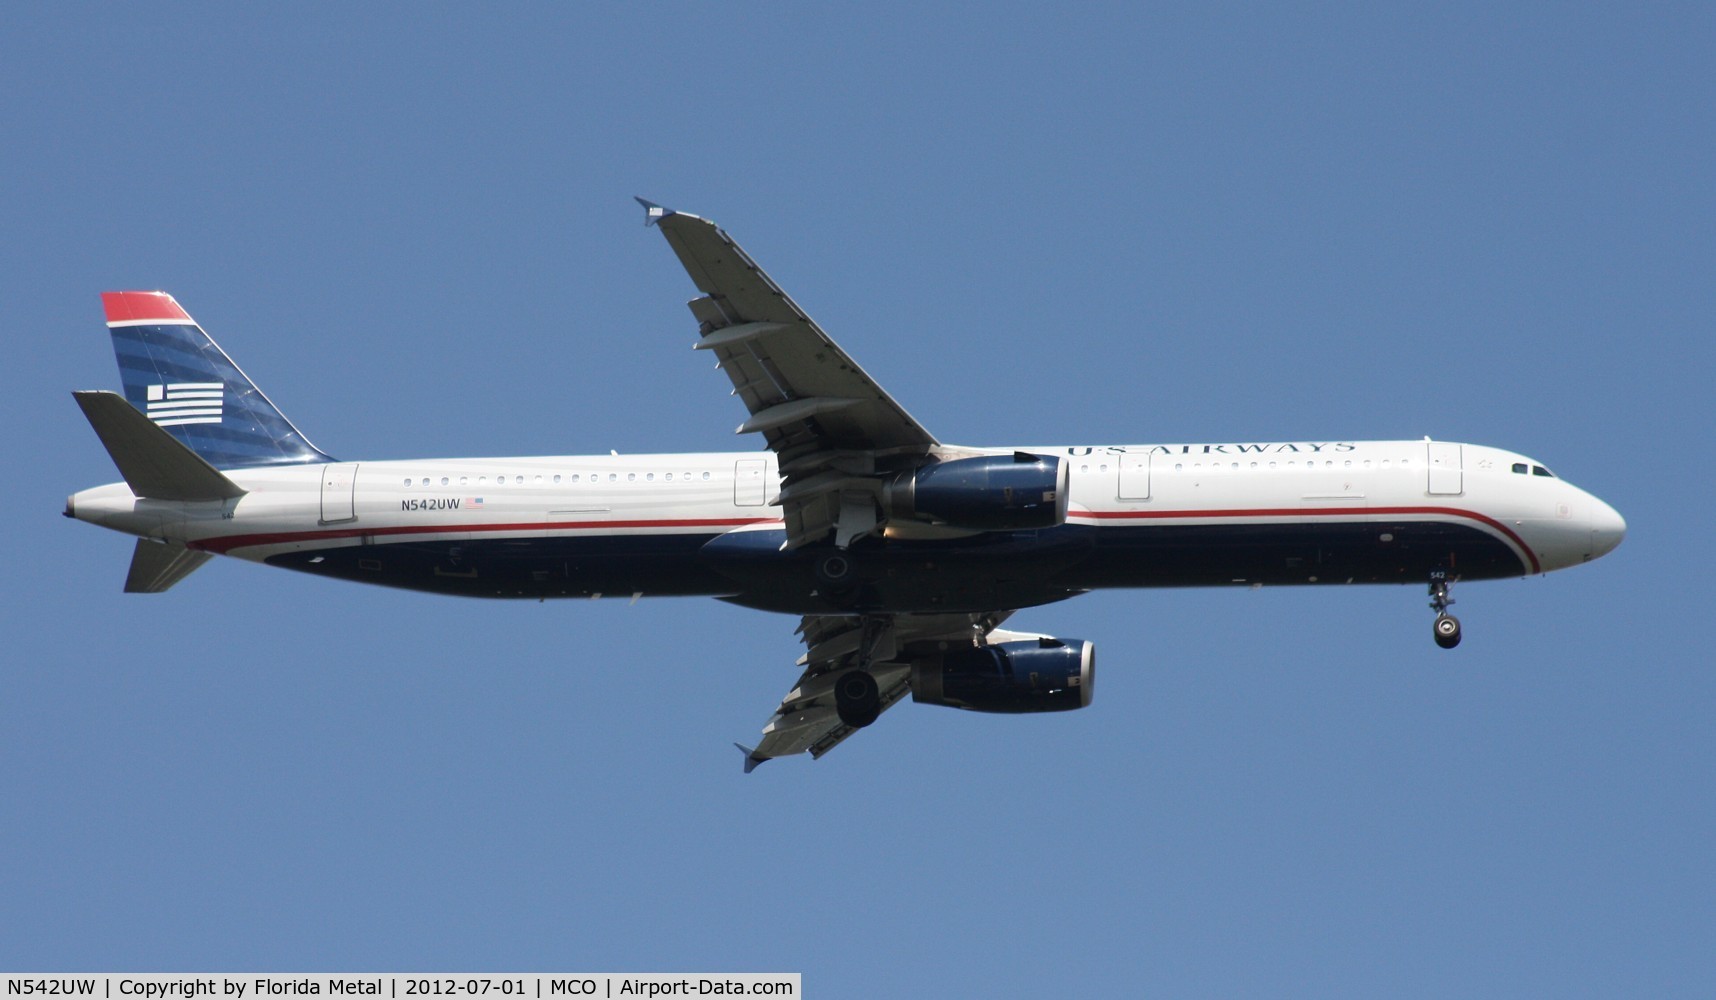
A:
(751, 758)
(653, 213)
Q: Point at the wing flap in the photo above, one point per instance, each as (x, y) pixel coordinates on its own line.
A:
(807, 720)
(810, 723)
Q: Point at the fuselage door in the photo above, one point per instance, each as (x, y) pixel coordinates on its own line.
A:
(749, 482)
(1446, 476)
(339, 488)
(1134, 476)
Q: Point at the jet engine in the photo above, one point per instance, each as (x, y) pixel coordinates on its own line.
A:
(1036, 675)
(987, 493)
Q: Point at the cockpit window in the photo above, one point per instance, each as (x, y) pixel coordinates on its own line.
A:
(1538, 470)
(1520, 468)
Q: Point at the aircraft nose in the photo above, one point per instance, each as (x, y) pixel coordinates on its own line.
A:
(1607, 528)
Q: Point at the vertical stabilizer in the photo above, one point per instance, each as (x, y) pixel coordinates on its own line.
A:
(185, 384)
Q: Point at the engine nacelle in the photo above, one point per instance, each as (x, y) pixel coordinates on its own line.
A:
(987, 493)
(1038, 675)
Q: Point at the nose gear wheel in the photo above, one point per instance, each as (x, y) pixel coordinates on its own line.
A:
(1446, 628)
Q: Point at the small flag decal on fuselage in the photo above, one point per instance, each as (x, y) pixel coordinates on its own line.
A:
(185, 403)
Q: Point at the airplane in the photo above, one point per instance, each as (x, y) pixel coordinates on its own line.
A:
(902, 555)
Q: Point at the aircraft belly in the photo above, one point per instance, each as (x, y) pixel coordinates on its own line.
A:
(660, 565)
(1181, 555)
(980, 573)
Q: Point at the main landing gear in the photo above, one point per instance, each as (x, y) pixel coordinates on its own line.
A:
(1447, 627)
(857, 696)
(857, 699)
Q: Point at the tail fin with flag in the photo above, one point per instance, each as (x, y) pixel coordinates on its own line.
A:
(183, 382)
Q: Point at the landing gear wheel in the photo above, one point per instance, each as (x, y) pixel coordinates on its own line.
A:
(1447, 628)
(1447, 631)
(857, 699)
(834, 569)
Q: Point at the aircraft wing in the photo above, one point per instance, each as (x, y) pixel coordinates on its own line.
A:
(833, 429)
(806, 721)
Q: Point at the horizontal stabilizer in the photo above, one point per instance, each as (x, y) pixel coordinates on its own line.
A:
(154, 463)
(155, 566)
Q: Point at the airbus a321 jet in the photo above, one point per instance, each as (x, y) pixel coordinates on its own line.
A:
(903, 555)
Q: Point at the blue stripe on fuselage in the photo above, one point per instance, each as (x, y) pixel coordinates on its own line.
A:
(982, 573)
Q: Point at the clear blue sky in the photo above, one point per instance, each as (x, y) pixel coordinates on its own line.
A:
(412, 226)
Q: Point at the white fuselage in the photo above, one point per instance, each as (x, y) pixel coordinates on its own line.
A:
(1545, 523)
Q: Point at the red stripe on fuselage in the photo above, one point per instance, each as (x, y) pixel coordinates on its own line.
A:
(227, 544)
(1116, 515)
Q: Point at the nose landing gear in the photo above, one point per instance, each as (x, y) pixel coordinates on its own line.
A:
(1447, 627)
